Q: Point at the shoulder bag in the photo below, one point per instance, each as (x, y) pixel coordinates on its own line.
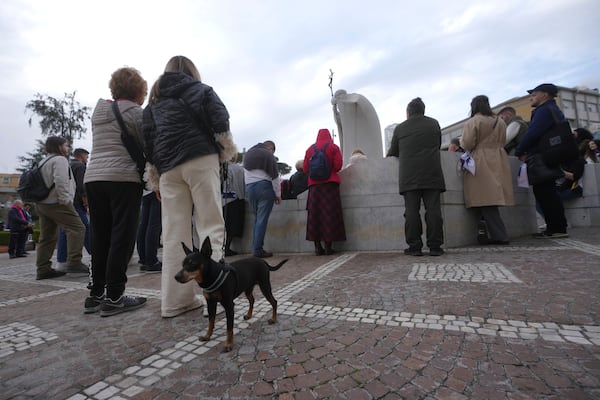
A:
(136, 153)
(558, 145)
(538, 172)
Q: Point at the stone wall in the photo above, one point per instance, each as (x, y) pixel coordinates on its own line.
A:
(585, 211)
(374, 211)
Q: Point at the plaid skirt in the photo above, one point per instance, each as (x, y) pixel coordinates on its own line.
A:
(325, 219)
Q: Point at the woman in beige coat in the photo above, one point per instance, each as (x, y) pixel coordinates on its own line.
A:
(484, 136)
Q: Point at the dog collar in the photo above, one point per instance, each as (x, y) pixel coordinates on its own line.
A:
(217, 283)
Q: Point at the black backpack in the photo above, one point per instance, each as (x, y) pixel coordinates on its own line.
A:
(318, 167)
(32, 186)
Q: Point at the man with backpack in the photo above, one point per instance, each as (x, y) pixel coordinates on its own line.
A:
(325, 220)
(416, 143)
(57, 211)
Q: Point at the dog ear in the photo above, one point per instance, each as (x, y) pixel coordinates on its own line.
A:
(206, 248)
(186, 249)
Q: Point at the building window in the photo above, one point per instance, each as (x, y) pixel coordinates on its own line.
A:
(5, 180)
(581, 106)
(592, 107)
(567, 104)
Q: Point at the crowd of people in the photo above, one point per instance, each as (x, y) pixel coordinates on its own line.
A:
(193, 186)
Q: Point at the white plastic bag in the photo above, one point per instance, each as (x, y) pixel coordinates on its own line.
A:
(522, 180)
(467, 162)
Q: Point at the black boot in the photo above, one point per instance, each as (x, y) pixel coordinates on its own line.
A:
(328, 249)
(318, 249)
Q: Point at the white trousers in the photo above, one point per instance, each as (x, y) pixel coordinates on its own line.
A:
(195, 183)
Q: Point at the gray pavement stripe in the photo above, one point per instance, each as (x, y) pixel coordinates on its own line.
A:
(488, 249)
(25, 299)
(582, 334)
(69, 285)
(579, 245)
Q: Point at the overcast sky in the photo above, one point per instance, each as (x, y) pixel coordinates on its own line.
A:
(269, 61)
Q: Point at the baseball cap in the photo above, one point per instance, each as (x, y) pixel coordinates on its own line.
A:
(549, 88)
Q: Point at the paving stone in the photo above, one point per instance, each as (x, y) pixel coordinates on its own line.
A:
(464, 331)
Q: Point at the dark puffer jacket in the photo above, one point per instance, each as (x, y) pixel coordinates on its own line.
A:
(172, 135)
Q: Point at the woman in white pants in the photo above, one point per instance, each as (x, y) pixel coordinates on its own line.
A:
(186, 130)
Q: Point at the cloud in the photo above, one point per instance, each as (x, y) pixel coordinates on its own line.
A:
(269, 60)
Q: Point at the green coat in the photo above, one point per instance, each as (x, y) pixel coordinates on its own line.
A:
(416, 143)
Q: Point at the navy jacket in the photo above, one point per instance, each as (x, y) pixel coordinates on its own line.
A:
(542, 119)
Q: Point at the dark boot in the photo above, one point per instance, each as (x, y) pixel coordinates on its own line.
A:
(228, 251)
(318, 249)
(328, 249)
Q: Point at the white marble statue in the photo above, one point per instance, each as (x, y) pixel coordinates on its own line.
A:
(358, 125)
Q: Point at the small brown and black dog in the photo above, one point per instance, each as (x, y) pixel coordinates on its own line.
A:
(223, 283)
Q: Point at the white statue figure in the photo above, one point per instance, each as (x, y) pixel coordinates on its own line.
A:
(358, 125)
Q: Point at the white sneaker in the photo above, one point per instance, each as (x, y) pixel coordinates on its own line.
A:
(61, 266)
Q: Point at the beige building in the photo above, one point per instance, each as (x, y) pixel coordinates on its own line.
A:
(581, 107)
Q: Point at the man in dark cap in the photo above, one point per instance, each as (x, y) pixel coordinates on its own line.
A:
(543, 118)
(416, 143)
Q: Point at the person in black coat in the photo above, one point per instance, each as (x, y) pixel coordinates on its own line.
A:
(298, 181)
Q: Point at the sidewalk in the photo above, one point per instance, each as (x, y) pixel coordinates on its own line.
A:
(512, 322)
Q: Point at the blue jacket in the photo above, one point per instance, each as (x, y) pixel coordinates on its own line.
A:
(542, 119)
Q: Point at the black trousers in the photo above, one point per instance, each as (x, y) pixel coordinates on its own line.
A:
(413, 228)
(114, 212)
(495, 225)
(17, 242)
(552, 207)
(149, 230)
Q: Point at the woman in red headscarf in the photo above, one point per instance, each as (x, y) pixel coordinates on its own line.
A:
(325, 221)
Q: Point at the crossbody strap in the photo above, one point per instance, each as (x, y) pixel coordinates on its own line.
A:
(200, 121)
(136, 154)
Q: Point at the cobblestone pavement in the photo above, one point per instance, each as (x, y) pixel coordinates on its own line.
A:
(512, 322)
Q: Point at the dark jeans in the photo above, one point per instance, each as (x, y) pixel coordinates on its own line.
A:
(413, 228)
(149, 230)
(17, 241)
(551, 206)
(114, 211)
(61, 248)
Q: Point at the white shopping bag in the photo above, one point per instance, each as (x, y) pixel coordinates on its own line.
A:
(522, 180)
(467, 162)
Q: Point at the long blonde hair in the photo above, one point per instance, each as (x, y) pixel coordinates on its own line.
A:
(183, 64)
(175, 64)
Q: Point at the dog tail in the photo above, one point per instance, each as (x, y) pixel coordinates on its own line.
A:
(276, 267)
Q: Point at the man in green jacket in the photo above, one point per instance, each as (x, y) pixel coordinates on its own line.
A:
(416, 143)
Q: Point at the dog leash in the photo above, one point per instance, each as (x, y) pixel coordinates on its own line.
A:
(224, 189)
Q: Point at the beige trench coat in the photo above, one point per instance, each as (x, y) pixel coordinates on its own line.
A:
(484, 137)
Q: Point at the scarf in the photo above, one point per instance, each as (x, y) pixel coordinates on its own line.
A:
(260, 157)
